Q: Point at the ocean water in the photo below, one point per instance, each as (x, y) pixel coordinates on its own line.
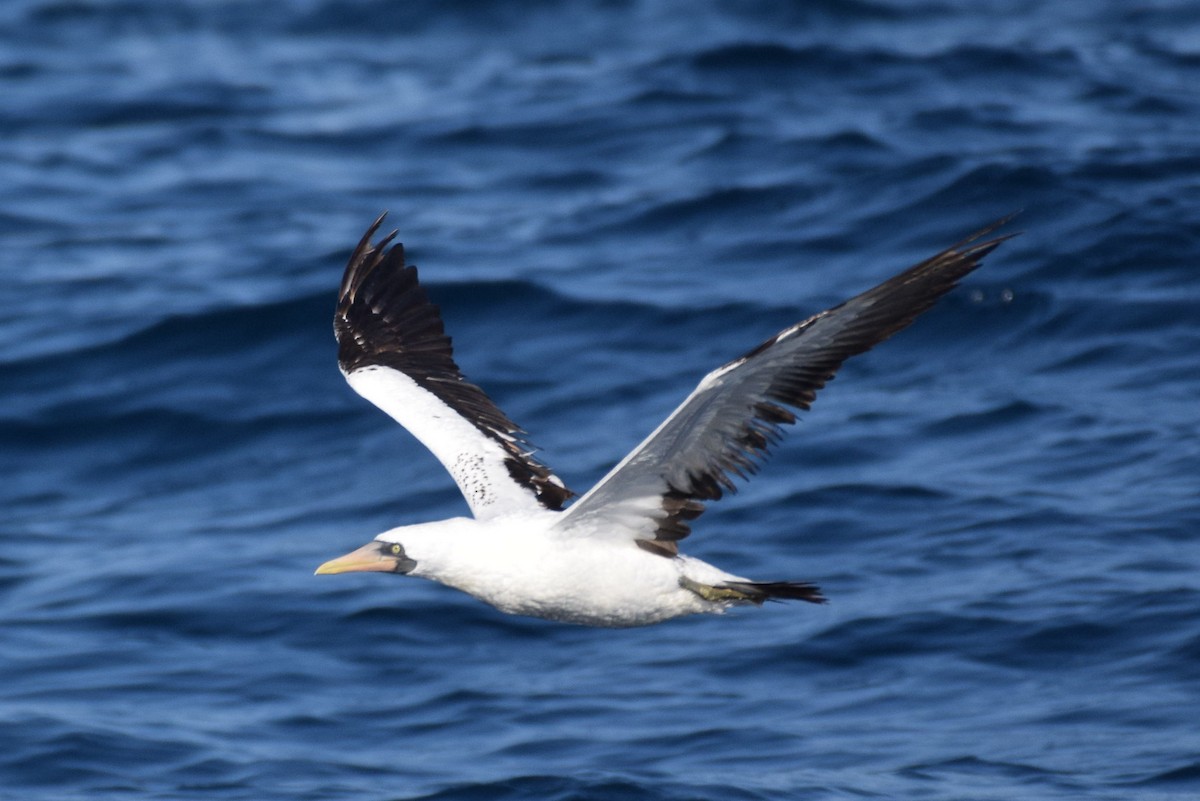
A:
(607, 199)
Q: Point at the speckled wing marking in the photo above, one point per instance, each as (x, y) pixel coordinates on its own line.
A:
(725, 428)
(394, 351)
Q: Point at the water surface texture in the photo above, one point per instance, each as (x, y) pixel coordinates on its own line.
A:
(607, 199)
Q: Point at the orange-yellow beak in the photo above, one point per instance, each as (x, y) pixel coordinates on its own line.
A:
(381, 557)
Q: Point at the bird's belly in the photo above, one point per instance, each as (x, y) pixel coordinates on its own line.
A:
(595, 587)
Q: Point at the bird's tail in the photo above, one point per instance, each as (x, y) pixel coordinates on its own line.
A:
(756, 592)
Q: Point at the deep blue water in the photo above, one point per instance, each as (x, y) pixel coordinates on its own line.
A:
(608, 200)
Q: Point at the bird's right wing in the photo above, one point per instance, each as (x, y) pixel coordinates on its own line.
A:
(394, 352)
(725, 427)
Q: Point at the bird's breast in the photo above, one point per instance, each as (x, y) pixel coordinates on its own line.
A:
(578, 581)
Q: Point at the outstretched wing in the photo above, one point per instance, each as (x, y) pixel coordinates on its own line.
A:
(393, 350)
(726, 426)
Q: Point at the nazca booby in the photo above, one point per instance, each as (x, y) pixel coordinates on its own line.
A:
(612, 557)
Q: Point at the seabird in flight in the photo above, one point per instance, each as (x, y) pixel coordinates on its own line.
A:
(612, 557)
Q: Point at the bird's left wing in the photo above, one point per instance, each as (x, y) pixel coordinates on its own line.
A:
(393, 350)
(725, 427)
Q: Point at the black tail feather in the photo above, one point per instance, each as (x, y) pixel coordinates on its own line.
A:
(760, 591)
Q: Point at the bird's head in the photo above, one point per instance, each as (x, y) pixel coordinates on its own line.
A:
(377, 556)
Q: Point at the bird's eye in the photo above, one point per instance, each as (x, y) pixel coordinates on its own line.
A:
(396, 549)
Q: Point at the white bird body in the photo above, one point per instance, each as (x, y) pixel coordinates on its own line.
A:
(524, 565)
(611, 558)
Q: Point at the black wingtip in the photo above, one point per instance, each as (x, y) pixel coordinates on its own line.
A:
(978, 251)
(364, 244)
(364, 258)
